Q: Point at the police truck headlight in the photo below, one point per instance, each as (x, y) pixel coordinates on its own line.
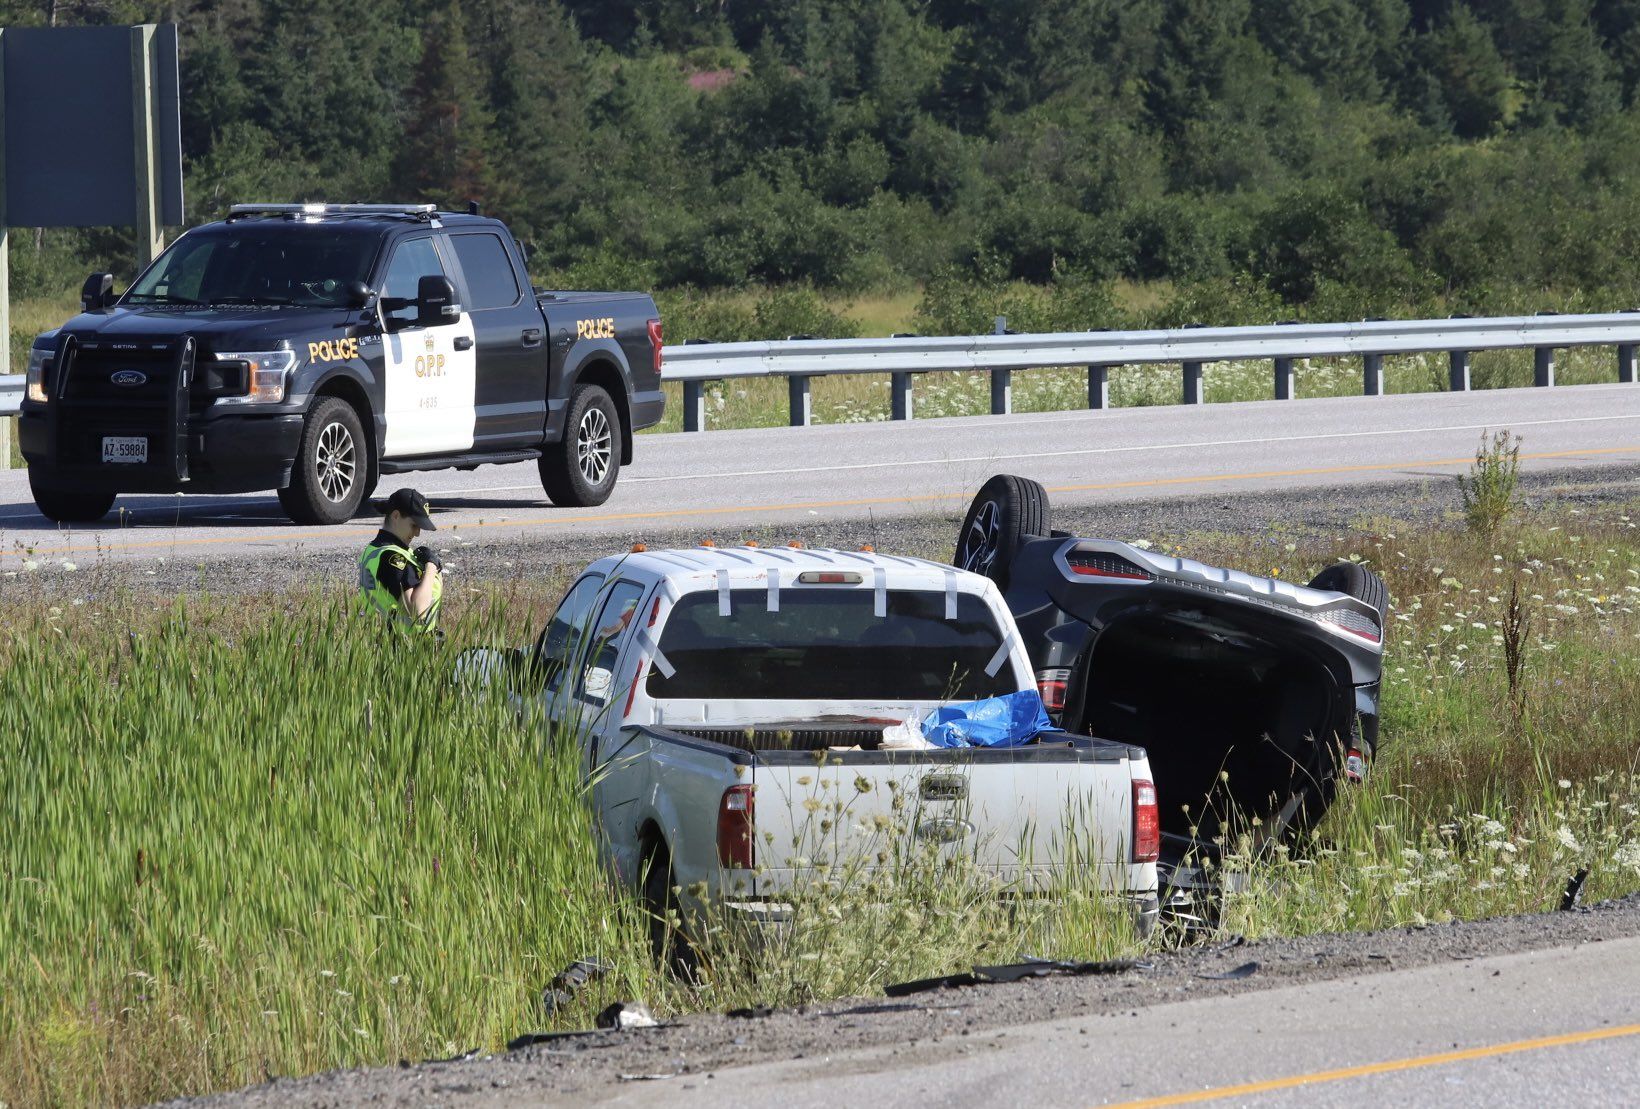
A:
(266, 374)
(38, 359)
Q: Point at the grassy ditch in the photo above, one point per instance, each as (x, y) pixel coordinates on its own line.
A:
(242, 839)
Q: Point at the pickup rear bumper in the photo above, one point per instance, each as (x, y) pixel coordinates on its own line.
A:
(1144, 908)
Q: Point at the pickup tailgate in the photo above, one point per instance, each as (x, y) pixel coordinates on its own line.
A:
(1030, 816)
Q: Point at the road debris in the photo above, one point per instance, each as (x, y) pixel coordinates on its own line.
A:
(624, 1016)
(1014, 972)
(1246, 970)
(1574, 890)
(570, 981)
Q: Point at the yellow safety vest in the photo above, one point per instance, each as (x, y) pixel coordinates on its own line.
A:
(375, 595)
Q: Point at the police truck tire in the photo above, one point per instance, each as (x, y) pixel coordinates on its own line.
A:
(68, 506)
(579, 470)
(329, 479)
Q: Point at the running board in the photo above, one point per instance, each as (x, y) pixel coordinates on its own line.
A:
(457, 461)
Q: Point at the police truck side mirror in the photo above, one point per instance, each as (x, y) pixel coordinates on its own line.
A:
(436, 301)
(97, 292)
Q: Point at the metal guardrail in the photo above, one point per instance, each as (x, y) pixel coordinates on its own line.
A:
(799, 360)
(11, 395)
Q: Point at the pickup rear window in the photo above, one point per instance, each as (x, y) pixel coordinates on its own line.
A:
(829, 644)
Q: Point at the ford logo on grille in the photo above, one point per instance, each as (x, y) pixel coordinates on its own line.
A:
(130, 379)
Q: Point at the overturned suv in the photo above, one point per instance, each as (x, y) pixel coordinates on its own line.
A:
(1253, 696)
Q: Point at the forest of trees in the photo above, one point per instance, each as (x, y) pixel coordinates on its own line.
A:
(1320, 156)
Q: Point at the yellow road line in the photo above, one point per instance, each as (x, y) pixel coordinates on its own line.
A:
(575, 520)
(1387, 1067)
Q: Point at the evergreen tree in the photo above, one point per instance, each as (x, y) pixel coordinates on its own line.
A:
(445, 156)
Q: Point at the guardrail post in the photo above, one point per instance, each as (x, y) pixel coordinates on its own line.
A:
(1002, 381)
(1284, 379)
(797, 395)
(1625, 363)
(694, 406)
(1543, 367)
(1192, 383)
(1458, 378)
(1099, 386)
(900, 398)
(1372, 375)
(5, 442)
(1002, 392)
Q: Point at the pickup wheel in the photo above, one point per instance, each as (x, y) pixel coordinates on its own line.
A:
(667, 941)
(579, 470)
(333, 467)
(1359, 582)
(1005, 511)
(68, 506)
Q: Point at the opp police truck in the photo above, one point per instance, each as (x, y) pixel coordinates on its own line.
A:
(311, 348)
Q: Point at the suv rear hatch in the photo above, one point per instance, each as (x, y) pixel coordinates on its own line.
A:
(1247, 692)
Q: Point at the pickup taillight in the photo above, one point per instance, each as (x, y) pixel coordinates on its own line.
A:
(1147, 823)
(737, 841)
(655, 342)
(1052, 684)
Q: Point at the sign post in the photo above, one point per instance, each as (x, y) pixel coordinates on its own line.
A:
(102, 149)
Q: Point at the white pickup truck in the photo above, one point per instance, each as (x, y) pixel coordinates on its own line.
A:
(730, 705)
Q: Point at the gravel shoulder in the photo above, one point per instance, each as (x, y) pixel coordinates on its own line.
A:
(577, 1068)
(1296, 514)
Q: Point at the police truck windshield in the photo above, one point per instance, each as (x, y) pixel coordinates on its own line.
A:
(264, 266)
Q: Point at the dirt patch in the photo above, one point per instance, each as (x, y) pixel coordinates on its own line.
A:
(570, 1068)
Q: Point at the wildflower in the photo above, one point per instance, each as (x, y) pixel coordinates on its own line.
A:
(1567, 839)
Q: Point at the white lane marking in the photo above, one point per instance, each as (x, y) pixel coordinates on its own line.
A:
(896, 464)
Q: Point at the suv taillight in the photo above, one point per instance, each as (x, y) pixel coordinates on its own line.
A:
(737, 842)
(1051, 684)
(655, 342)
(1147, 823)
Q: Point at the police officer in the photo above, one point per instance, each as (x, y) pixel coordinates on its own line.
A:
(403, 584)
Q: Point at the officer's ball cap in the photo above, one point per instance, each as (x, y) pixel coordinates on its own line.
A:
(411, 504)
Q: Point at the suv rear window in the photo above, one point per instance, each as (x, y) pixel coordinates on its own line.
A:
(826, 643)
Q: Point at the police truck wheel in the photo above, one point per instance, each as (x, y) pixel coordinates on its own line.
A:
(332, 466)
(580, 470)
(68, 506)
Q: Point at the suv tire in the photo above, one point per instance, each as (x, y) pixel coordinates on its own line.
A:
(68, 506)
(1005, 512)
(1357, 581)
(328, 481)
(579, 470)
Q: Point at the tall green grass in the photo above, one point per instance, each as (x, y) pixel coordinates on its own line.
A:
(255, 835)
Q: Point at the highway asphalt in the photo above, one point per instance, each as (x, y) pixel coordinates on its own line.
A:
(1560, 1026)
(721, 481)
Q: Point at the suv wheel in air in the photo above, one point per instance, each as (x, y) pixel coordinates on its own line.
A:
(332, 466)
(579, 470)
(1357, 581)
(1004, 513)
(68, 506)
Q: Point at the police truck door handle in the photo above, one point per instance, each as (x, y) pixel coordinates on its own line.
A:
(463, 343)
(532, 336)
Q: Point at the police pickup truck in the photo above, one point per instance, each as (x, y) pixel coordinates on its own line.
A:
(731, 707)
(311, 348)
